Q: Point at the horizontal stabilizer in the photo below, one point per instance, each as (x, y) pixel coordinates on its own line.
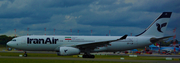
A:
(154, 40)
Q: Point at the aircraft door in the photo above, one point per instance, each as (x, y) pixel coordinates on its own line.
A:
(135, 41)
(24, 42)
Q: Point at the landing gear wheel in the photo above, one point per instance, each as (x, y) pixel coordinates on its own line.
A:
(88, 56)
(58, 54)
(92, 56)
(25, 55)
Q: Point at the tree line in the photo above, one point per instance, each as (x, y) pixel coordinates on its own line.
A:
(4, 39)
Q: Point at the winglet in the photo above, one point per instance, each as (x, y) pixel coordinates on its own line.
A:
(123, 37)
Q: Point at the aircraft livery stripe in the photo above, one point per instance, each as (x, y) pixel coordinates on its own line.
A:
(67, 38)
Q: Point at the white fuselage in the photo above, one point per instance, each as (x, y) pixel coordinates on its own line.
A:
(52, 43)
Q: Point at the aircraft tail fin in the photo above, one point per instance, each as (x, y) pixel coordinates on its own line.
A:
(158, 27)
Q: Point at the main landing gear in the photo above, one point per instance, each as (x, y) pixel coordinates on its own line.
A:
(25, 54)
(88, 55)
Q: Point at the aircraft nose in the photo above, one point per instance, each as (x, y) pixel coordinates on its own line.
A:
(9, 43)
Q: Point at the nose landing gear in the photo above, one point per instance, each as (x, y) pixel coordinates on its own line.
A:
(25, 54)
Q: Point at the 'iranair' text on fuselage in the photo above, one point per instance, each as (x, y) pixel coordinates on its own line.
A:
(41, 40)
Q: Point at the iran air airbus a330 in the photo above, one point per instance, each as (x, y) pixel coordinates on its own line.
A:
(73, 45)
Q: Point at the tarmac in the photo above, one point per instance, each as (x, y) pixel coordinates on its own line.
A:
(97, 59)
(89, 59)
(101, 53)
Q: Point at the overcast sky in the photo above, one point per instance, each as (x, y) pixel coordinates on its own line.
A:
(119, 16)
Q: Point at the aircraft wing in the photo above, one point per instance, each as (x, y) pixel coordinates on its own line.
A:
(92, 45)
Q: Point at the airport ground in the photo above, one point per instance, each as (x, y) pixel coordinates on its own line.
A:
(47, 57)
(104, 57)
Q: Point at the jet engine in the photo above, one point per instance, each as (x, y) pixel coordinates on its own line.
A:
(68, 51)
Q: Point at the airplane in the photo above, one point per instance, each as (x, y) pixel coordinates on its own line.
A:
(74, 45)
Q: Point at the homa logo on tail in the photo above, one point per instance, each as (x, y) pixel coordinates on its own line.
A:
(159, 26)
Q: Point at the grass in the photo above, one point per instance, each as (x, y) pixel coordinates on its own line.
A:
(30, 54)
(97, 56)
(3, 47)
(32, 60)
(18, 60)
(23, 60)
(131, 58)
(4, 60)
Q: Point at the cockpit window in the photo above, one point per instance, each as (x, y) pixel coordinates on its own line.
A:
(13, 39)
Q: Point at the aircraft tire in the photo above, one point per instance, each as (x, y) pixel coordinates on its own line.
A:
(25, 55)
(58, 54)
(88, 56)
(92, 56)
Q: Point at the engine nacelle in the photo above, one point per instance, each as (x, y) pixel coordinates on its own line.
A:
(68, 51)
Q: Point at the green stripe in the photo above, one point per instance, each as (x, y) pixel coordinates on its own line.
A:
(67, 37)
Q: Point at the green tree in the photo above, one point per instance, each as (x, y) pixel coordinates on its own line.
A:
(4, 39)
